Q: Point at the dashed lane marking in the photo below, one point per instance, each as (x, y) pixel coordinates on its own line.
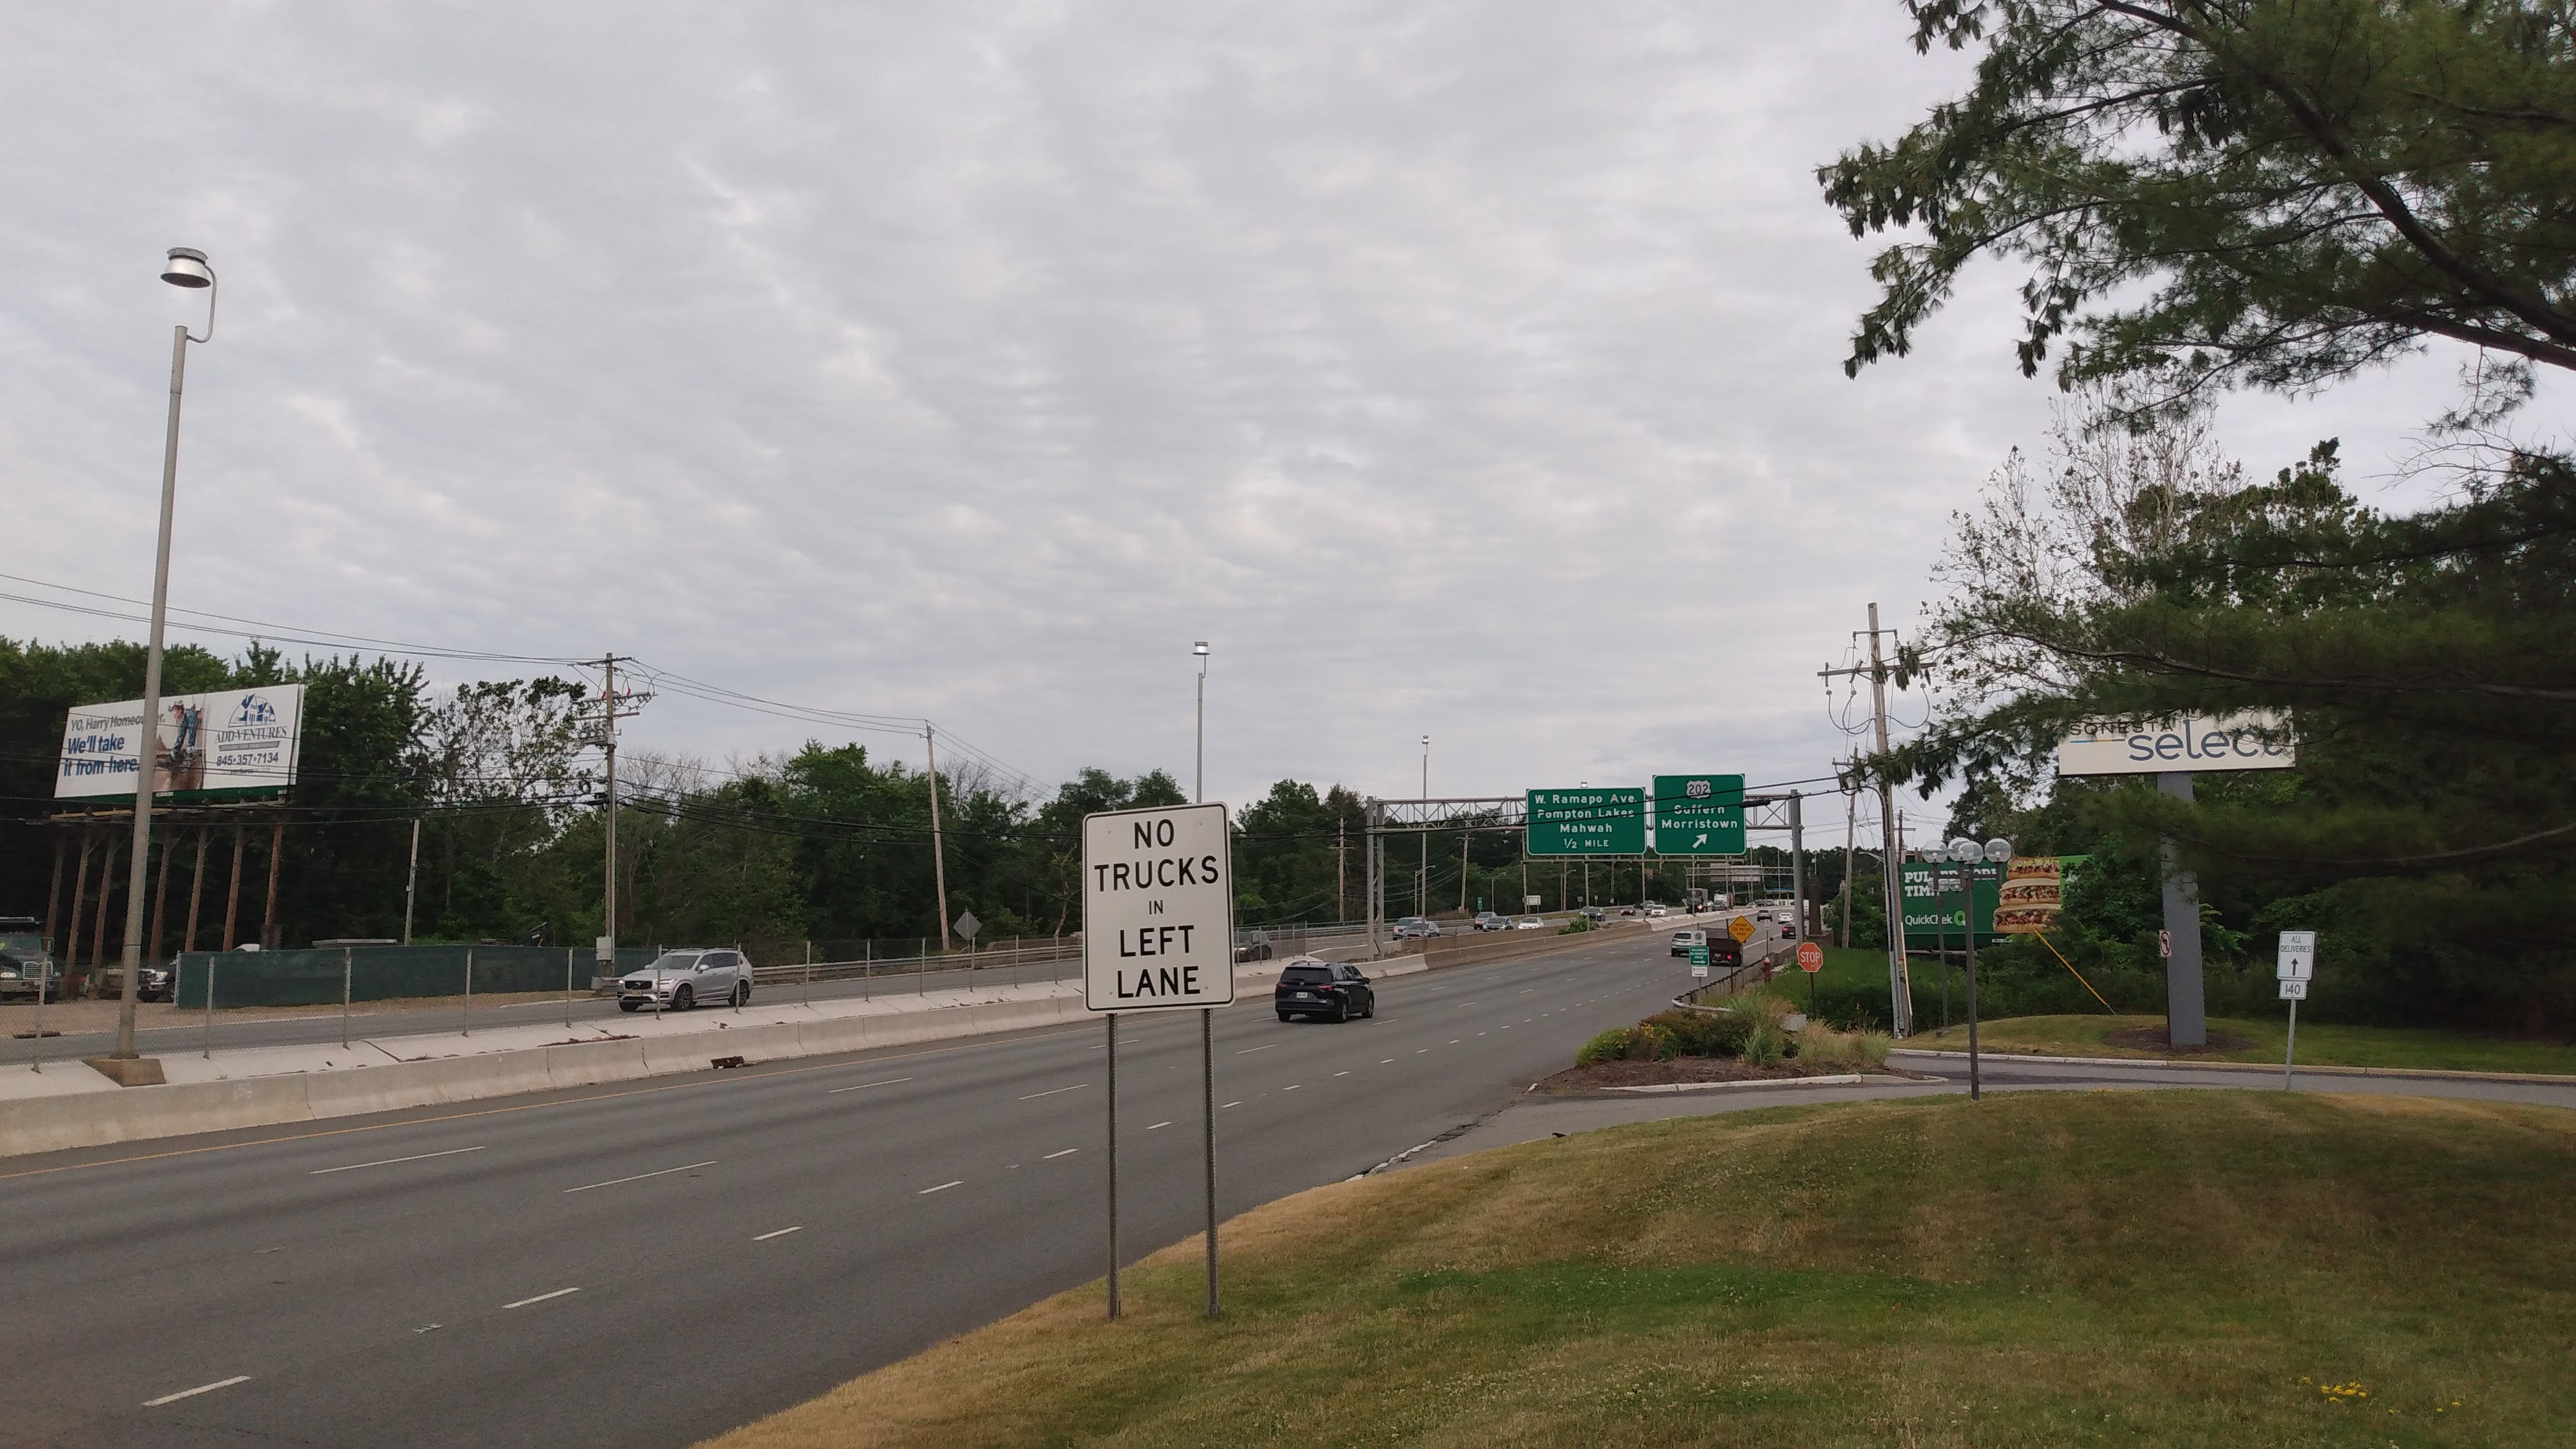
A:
(1158, 1124)
(863, 1086)
(1076, 1087)
(780, 1233)
(540, 1298)
(639, 1177)
(390, 1161)
(199, 1389)
(1068, 1152)
(943, 1187)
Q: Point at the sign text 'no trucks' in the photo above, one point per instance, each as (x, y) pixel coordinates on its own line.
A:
(1157, 909)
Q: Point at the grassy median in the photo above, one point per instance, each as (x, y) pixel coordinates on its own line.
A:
(2116, 1268)
(2320, 1044)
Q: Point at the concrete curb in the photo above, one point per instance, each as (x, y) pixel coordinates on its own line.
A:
(1852, 1079)
(2540, 1079)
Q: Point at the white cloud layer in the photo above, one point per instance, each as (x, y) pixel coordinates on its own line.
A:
(1468, 368)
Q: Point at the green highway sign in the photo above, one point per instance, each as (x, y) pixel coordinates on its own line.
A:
(1699, 815)
(1608, 820)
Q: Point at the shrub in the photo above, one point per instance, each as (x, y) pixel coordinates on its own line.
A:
(1764, 1042)
(1576, 925)
(1608, 1046)
(1701, 1034)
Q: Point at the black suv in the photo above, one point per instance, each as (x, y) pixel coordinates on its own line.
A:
(1323, 989)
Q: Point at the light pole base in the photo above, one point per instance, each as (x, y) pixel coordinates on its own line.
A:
(130, 1071)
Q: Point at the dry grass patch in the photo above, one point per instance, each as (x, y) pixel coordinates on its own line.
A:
(2129, 1268)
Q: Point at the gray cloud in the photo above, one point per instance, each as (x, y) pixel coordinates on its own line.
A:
(1466, 368)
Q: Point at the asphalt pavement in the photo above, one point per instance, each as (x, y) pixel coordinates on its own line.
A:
(654, 1263)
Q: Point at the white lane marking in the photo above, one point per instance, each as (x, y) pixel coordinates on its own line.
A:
(1158, 1124)
(1068, 1152)
(1390, 1061)
(1230, 1104)
(863, 1086)
(943, 1187)
(1453, 1041)
(639, 1177)
(1265, 1046)
(782, 1232)
(390, 1161)
(1341, 1074)
(199, 1389)
(1076, 1087)
(1418, 1051)
(1292, 1086)
(540, 1298)
(1526, 990)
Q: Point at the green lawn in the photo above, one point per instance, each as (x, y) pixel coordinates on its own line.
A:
(2319, 1044)
(2171, 1268)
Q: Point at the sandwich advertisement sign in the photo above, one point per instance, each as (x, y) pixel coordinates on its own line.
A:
(229, 743)
(2033, 890)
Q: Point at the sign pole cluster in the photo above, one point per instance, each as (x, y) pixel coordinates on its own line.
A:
(1158, 935)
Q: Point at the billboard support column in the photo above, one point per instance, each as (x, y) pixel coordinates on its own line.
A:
(2186, 1012)
(268, 928)
(232, 897)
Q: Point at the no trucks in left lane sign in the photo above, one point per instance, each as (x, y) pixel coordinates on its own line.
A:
(1157, 909)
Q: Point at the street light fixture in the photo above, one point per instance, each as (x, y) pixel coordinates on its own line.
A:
(186, 267)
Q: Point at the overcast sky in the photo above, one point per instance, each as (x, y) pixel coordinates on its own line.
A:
(1467, 369)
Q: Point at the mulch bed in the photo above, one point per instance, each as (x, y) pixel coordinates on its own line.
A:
(1604, 1075)
(2153, 1038)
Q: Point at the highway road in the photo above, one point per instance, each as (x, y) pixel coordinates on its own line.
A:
(653, 1263)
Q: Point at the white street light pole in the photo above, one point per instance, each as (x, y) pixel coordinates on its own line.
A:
(1198, 784)
(1422, 871)
(186, 268)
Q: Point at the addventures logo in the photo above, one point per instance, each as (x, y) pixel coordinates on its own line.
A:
(254, 710)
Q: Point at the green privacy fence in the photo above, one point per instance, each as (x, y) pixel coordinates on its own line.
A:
(378, 973)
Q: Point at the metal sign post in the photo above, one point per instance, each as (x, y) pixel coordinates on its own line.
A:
(1158, 935)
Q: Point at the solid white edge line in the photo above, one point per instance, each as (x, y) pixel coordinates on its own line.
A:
(540, 1298)
(639, 1177)
(943, 1187)
(863, 1086)
(390, 1161)
(199, 1389)
(782, 1232)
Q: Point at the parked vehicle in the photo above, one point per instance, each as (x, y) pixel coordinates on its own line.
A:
(1684, 940)
(1416, 928)
(26, 967)
(158, 983)
(690, 976)
(1322, 989)
(1530, 923)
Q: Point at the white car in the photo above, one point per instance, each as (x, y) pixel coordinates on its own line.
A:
(691, 976)
(1530, 923)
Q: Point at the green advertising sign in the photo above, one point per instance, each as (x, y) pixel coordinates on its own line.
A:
(1592, 820)
(1935, 909)
(1699, 815)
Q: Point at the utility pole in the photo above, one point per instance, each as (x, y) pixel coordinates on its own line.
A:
(1891, 838)
(609, 715)
(411, 877)
(938, 848)
(1341, 867)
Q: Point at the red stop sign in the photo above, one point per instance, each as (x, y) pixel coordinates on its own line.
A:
(1811, 957)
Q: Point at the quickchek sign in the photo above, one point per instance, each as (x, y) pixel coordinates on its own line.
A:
(1157, 909)
(2254, 740)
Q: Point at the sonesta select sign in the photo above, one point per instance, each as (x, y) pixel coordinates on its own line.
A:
(2254, 740)
(1157, 909)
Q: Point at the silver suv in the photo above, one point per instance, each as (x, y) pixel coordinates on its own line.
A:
(691, 976)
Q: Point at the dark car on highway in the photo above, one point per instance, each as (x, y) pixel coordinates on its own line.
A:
(1323, 990)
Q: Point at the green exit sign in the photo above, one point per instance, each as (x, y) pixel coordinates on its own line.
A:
(1587, 821)
(1699, 814)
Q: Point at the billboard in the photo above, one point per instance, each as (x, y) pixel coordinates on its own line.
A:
(1934, 914)
(2032, 892)
(2191, 743)
(231, 742)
